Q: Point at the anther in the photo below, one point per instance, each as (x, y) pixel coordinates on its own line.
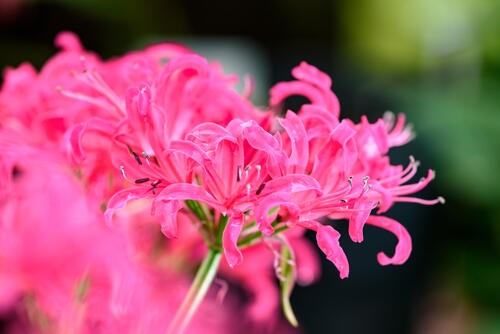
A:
(154, 184)
(343, 200)
(441, 200)
(261, 187)
(137, 158)
(350, 181)
(248, 189)
(238, 175)
(145, 155)
(146, 179)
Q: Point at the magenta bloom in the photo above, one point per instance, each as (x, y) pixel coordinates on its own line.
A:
(164, 127)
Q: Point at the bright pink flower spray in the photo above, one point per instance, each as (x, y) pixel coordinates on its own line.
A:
(165, 126)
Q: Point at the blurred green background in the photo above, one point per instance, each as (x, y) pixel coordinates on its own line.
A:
(436, 61)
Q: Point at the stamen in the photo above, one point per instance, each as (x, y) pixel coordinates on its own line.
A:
(248, 189)
(258, 170)
(136, 156)
(145, 155)
(261, 187)
(350, 181)
(365, 180)
(146, 179)
(441, 200)
(122, 170)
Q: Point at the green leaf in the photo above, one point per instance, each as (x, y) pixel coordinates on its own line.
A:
(286, 285)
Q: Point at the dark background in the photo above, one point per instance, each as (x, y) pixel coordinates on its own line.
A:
(436, 61)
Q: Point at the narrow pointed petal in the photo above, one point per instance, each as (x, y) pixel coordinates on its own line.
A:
(328, 241)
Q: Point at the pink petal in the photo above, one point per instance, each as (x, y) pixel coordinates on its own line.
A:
(403, 248)
(311, 74)
(230, 240)
(343, 134)
(120, 200)
(167, 211)
(68, 41)
(291, 184)
(328, 242)
(262, 140)
(184, 191)
(73, 138)
(298, 137)
(189, 149)
(271, 201)
(358, 219)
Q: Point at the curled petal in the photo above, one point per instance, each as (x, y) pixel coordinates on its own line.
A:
(165, 51)
(403, 248)
(262, 140)
(343, 134)
(312, 75)
(73, 138)
(282, 90)
(209, 134)
(276, 199)
(328, 241)
(230, 240)
(121, 198)
(68, 41)
(190, 150)
(184, 191)
(358, 219)
(298, 137)
(292, 183)
(167, 211)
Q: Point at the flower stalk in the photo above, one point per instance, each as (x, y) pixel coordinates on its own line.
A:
(202, 281)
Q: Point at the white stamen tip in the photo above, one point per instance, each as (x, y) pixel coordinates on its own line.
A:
(441, 200)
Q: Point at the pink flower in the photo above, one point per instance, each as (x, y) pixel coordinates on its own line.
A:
(164, 128)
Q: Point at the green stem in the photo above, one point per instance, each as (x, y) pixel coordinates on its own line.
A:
(246, 241)
(202, 281)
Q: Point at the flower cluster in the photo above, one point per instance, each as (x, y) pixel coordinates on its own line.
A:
(164, 128)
